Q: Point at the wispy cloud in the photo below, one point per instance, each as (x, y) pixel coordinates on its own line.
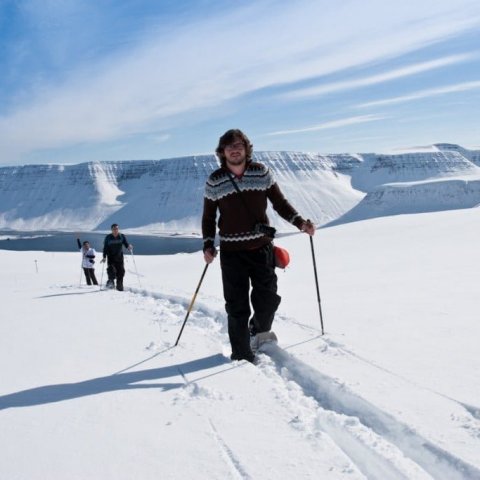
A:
(344, 122)
(173, 75)
(391, 75)
(430, 92)
(160, 138)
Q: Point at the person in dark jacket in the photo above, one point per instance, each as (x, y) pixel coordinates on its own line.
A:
(240, 190)
(113, 251)
(88, 261)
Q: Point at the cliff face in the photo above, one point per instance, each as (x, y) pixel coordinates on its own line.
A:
(445, 178)
(167, 195)
(93, 195)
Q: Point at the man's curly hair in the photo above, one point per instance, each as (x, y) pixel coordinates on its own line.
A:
(229, 137)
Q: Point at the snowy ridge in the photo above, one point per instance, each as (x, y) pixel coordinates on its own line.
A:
(425, 196)
(413, 167)
(165, 196)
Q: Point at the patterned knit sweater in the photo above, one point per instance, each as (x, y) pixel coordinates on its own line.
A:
(240, 213)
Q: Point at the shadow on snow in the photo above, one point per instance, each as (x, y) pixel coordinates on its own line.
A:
(119, 381)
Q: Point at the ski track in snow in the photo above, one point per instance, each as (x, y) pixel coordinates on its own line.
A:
(200, 308)
(474, 411)
(379, 445)
(335, 397)
(471, 409)
(238, 471)
(374, 458)
(236, 468)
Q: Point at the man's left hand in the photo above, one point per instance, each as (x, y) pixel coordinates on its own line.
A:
(308, 227)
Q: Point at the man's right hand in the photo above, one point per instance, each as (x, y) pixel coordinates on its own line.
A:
(209, 254)
(102, 260)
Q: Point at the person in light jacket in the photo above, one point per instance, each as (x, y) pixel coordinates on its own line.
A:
(88, 261)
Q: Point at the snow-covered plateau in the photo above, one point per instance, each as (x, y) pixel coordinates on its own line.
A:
(166, 196)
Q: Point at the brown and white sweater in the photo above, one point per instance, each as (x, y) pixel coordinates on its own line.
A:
(240, 213)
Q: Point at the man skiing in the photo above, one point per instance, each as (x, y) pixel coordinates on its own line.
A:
(239, 191)
(113, 251)
(88, 256)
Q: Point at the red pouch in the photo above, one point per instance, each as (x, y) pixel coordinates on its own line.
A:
(282, 258)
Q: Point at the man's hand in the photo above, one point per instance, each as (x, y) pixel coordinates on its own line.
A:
(209, 254)
(102, 260)
(130, 247)
(308, 227)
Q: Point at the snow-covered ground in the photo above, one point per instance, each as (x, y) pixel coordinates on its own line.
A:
(93, 388)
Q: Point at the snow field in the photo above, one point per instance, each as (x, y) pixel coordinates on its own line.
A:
(93, 387)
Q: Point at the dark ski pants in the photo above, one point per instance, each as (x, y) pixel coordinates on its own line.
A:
(116, 270)
(90, 276)
(239, 270)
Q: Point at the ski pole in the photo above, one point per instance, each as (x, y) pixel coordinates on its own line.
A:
(82, 251)
(101, 278)
(192, 302)
(316, 283)
(136, 271)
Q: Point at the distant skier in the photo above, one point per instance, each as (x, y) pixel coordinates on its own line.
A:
(239, 190)
(88, 261)
(113, 251)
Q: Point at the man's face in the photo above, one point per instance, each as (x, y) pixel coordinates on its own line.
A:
(115, 231)
(235, 153)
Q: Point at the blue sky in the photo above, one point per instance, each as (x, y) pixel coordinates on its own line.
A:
(85, 80)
